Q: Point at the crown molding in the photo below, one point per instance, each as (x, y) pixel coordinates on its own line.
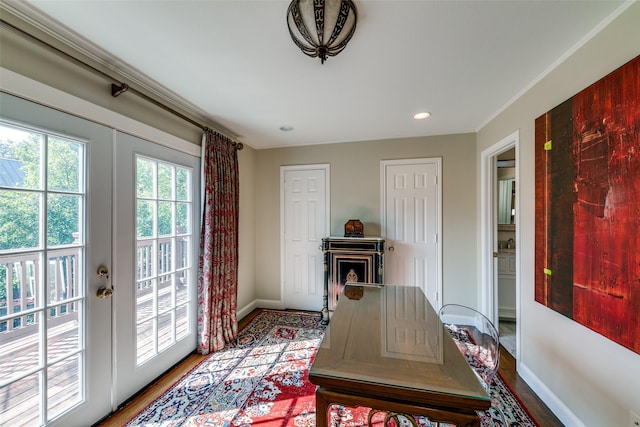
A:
(80, 45)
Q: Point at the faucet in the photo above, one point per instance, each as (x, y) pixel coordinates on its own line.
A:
(510, 243)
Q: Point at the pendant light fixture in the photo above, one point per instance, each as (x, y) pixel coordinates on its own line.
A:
(321, 28)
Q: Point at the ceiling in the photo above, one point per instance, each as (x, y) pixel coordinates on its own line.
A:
(232, 62)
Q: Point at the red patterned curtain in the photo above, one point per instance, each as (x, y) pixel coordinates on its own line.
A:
(218, 266)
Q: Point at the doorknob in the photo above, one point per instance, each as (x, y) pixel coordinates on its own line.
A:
(103, 272)
(391, 249)
(104, 292)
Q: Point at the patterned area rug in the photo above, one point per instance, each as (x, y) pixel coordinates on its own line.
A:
(263, 380)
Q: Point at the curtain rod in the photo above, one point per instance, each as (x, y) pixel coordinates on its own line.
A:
(117, 88)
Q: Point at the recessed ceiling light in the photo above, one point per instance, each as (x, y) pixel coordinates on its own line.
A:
(420, 116)
(286, 128)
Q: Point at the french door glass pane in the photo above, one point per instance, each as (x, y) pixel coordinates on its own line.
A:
(64, 384)
(163, 258)
(63, 338)
(64, 218)
(65, 165)
(41, 274)
(165, 181)
(165, 218)
(183, 184)
(20, 395)
(146, 217)
(183, 213)
(19, 220)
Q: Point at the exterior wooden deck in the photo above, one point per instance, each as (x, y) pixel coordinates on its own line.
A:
(24, 304)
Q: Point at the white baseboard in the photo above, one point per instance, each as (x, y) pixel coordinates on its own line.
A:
(549, 398)
(259, 303)
(507, 312)
(242, 313)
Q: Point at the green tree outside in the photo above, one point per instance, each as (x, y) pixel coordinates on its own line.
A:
(21, 197)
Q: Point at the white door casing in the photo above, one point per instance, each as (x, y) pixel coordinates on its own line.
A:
(411, 212)
(489, 231)
(304, 221)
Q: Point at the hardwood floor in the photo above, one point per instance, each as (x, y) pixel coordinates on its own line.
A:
(536, 407)
(155, 390)
(538, 410)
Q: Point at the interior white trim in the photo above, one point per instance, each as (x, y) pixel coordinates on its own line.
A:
(32, 90)
(488, 229)
(556, 405)
(271, 304)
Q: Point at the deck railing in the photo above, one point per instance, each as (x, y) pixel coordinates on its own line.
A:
(20, 276)
(146, 259)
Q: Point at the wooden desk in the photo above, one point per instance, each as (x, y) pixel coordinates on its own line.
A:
(386, 349)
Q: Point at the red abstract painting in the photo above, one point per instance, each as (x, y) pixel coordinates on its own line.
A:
(588, 207)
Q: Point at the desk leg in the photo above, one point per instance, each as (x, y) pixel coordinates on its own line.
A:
(322, 407)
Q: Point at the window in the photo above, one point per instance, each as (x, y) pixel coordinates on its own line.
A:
(42, 282)
(164, 235)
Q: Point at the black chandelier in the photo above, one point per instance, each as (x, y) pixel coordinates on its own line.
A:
(321, 27)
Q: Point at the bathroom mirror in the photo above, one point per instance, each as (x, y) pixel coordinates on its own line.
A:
(506, 195)
(506, 199)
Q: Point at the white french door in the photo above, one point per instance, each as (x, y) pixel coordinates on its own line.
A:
(98, 244)
(55, 232)
(411, 224)
(155, 265)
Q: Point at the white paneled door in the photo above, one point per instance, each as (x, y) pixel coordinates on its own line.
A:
(304, 222)
(411, 224)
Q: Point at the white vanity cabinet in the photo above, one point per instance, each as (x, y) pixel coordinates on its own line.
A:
(507, 285)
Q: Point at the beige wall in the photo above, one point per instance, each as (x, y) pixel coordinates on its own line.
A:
(355, 193)
(247, 232)
(581, 373)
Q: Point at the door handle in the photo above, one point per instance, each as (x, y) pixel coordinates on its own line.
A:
(391, 249)
(104, 292)
(103, 272)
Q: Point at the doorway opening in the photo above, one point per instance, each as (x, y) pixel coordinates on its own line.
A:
(499, 239)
